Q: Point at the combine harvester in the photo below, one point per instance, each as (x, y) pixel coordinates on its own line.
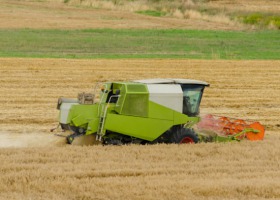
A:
(150, 111)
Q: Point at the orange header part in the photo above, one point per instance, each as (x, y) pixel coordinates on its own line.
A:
(256, 136)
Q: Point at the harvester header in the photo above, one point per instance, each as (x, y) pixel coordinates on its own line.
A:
(144, 111)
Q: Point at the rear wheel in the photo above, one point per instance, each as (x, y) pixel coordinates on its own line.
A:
(184, 136)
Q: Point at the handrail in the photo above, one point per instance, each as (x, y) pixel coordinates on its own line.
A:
(100, 134)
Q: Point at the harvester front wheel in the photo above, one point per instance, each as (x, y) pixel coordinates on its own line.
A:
(184, 136)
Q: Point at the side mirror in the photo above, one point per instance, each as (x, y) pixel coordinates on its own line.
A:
(104, 91)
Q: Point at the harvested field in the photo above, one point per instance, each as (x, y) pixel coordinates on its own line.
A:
(30, 87)
(35, 164)
(47, 169)
(247, 170)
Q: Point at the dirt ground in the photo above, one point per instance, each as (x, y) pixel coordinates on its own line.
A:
(57, 15)
(54, 14)
(248, 6)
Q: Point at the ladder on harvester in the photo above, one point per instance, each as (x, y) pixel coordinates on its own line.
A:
(102, 111)
(102, 119)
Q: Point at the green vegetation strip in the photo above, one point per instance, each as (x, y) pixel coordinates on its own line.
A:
(153, 13)
(261, 20)
(111, 43)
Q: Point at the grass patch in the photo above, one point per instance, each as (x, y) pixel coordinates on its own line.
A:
(261, 19)
(111, 43)
(153, 13)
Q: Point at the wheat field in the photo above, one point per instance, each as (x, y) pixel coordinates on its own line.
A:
(247, 170)
(35, 164)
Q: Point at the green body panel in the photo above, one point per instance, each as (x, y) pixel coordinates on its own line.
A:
(160, 112)
(92, 126)
(133, 100)
(139, 127)
(149, 128)
(157, 111)
(80, 115)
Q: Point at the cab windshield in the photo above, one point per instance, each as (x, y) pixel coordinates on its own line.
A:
(192, 96)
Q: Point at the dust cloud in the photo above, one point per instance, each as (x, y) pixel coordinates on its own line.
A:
(33, 139)
(19, 140)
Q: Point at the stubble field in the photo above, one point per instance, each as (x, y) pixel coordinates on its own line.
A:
(35, 164)
(48, 169)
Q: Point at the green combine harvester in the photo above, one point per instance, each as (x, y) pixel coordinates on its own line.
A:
(142, 112)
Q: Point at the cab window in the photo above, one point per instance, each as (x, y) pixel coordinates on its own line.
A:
(191, 99)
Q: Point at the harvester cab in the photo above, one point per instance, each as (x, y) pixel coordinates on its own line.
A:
(141, 111)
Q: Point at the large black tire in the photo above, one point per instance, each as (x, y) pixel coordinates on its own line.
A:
(183, 136)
